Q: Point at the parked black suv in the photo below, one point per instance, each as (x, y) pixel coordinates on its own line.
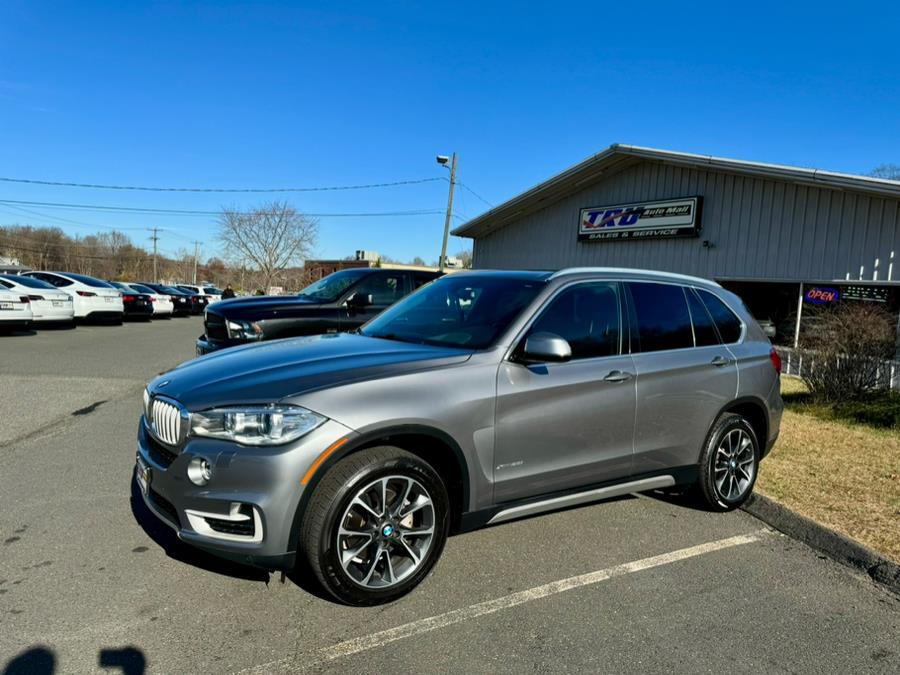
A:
(340, 302)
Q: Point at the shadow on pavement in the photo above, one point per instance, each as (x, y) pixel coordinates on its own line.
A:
(41, 660)
(684, 497)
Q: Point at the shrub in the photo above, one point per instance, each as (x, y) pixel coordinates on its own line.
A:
(844, 349)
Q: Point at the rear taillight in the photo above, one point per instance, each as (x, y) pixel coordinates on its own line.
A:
(35, 297)
(127, 298)
(86, 294)
(24, 298)
(152, 299)
(776, 360)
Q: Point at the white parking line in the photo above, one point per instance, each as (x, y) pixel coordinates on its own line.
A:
(381, 638)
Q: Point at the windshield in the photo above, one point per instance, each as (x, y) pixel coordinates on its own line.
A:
(89, 281)
(466, 310)
(331, 287)
(30, 282)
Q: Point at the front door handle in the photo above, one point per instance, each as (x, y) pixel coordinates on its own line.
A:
(617, 376)
(720, 361)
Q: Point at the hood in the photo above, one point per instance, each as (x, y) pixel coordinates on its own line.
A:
(270, 371)
(257, 303)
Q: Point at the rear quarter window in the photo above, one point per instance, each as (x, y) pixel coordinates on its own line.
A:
(727, 322)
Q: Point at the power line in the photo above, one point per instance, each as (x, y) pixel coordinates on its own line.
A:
(232, 190)
(13, 203)
(466, 187)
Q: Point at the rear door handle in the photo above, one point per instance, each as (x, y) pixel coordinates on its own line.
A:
(617, 376)
(720, 361)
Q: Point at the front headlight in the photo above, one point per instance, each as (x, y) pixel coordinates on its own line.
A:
(244, 330)
(146, 403)
(256, 425)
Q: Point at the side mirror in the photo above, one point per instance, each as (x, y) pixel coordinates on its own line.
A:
(359, 300)
(546, 347)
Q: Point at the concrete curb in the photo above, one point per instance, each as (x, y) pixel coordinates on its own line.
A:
(836, 546)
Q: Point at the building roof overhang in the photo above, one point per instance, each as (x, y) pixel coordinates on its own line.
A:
(617, 157)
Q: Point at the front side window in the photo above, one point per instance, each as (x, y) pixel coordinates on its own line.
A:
(385, 289)
(726, 321)
(54, 280)
(661, 312)
(461, 310)
(420, 280)
(586, 316)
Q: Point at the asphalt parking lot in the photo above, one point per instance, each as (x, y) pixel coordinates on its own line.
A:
(90, 583)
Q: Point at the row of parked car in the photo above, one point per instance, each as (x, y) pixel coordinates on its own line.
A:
(40, 298)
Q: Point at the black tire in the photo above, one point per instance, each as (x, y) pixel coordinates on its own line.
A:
(728, 425)
(329, 503)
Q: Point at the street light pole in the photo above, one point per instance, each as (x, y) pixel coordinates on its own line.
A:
(449, 215)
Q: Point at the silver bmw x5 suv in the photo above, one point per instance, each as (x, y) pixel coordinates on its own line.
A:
(482, 397)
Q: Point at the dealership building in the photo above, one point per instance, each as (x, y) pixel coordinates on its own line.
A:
(786, 239)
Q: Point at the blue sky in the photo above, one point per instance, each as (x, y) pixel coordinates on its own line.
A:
(226, 94)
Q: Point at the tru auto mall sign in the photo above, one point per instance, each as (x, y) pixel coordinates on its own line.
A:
(642, 220)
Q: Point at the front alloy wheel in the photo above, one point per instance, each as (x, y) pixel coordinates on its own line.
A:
(375, 525)
(386, 531)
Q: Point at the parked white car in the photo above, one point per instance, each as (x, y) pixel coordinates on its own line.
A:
(92, 298)
(212, 294)
(48, 305)
(15, 310)
(162, 304)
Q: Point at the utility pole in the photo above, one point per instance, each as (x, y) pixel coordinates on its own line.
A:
(443, 261)
(155, 239)
(196, 256)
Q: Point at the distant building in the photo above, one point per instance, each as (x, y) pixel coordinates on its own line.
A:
(316, 269)
(12, 266)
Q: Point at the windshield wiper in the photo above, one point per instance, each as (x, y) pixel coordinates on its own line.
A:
(395, 337)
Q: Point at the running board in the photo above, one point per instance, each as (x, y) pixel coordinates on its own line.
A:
(582, 498)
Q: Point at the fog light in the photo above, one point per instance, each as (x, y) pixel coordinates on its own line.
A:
(199, 471)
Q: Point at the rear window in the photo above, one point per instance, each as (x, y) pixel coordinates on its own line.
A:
(663, 321)
(89, 281)
(727, 322)
(210, 290)
(30, 282)
(140, 288)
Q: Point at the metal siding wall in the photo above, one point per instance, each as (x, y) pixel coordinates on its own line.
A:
(758, 228)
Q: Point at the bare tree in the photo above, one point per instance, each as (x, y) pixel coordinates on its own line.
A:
(465, 258)
(269, 238)
(845, 352)
(888, 171)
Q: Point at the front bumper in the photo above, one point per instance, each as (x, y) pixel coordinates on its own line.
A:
(259, 485)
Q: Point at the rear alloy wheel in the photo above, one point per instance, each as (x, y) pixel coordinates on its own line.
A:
(729, 463)
(375, 526)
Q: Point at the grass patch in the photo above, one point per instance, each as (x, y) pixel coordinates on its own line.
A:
(842, 473)
(879, 409)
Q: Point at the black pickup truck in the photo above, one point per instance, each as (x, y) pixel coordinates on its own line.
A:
(340, 302)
